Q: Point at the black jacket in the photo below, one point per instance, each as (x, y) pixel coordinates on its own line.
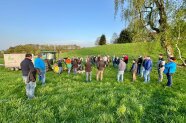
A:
(26, 66)
(32, 76)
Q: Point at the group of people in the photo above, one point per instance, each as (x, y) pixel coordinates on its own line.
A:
(141, 66)
(29, 72)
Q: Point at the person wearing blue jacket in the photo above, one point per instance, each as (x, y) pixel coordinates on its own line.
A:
(40, 64)
(148, 68)
(170, 69)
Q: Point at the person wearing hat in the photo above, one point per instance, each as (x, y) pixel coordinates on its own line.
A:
(170, 69)
(134, 70)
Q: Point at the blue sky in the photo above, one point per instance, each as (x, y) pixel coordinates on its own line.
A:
(56, 21)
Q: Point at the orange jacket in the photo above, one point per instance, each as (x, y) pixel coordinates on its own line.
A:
(68, 61)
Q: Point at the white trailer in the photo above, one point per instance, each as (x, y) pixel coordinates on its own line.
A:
(13, 61)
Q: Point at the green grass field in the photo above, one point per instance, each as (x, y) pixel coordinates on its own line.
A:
(68, 98)
(1, 61)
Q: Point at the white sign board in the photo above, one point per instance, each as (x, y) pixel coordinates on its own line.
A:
(13, 60)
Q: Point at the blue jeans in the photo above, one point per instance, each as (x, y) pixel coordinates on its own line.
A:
(60, 70)
(42, 77)
(75, 71)
(120, 76)
(88, 76)
(142, 72)
(169, 78)
(69, 69)
(147, 75)
(30, 89)
(139, 69)
(25, 79)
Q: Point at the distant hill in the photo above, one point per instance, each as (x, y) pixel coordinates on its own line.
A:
(35, 48)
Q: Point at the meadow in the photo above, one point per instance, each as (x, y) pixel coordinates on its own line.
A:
(1, 61)
(68, 98)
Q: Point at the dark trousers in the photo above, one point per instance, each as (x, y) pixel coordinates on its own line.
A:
(169, 78)
(139, 69)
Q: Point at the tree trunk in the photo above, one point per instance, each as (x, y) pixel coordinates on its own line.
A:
(184, 64)
(165, 40)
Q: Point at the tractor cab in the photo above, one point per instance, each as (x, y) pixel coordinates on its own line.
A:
(50, 58)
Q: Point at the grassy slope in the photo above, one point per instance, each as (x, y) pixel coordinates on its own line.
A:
(132, 49)
(70, 99)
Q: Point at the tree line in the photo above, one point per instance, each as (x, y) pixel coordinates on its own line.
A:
(35, 48)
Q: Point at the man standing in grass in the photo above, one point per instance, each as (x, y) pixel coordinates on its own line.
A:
(143, 66)
(134, 70)
(88, 70)
(100, 67)
(148, 68)
(121, 69)
(161, 67)
(40, 64)
(139, 62)
(170, 69)
(69, 64)
(75, 66)
(126, 59)
(29, 75)
(59, 63)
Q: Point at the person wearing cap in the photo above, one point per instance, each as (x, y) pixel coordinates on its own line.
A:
(148, 69)
(40, 64)
(160, 67)
(170, 69)
(121, 69)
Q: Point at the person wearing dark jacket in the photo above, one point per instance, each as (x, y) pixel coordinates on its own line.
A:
(75, 66)
(139, 62)
(29, 75)
(59, 63)
(26, 66)
(148, 68)
(100, 67)
(88, 70)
